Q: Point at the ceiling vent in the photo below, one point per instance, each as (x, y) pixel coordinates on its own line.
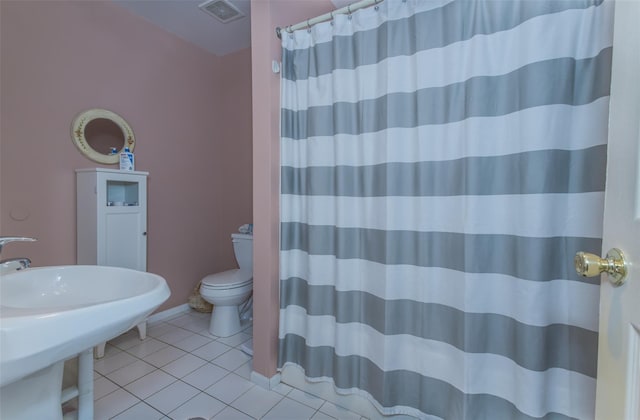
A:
(222, 10)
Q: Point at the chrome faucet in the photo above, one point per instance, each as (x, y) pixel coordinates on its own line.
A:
(6, 239)
(14, 264)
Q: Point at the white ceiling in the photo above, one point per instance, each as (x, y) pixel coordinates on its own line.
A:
(184, 19)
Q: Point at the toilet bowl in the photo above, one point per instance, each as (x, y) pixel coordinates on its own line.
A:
(229, 289)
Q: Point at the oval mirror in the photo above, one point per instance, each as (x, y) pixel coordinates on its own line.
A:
(97, 131)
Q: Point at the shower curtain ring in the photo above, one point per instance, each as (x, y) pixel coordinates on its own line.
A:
(289, 31)
(349, 11)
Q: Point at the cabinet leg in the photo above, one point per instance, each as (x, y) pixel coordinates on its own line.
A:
(98, 351)
(142, 330)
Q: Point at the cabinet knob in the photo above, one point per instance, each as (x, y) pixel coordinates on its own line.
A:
(144, 233)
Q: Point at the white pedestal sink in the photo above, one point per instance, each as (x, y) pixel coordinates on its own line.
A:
(50, 314)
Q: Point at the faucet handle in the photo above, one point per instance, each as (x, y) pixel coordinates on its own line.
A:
(14, 264)
(6, 239)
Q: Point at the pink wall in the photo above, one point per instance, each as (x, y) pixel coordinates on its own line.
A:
(190, 112)
(193, 135)
(265, 17)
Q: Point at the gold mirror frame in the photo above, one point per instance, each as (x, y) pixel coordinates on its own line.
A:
(79, 126)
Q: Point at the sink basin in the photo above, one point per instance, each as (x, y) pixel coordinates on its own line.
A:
(50, 314)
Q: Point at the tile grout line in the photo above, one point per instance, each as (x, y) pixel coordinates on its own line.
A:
(184, 329)
(173, 382)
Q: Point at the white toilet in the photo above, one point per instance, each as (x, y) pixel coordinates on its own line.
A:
(229, 289)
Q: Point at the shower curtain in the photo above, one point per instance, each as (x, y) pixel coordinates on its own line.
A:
(441, 164)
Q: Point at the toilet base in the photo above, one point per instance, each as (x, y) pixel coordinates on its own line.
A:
(225, 321)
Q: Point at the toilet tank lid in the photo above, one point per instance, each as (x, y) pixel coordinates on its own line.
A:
(242, 236)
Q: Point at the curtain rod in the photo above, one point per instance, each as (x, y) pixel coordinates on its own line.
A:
(327, 16)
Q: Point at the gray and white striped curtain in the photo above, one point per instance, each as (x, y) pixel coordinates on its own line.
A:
(442, 162)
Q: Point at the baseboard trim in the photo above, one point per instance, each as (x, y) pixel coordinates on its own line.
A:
(263, 381)
(169, 313)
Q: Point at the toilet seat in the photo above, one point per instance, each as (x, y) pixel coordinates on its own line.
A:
(229, 279)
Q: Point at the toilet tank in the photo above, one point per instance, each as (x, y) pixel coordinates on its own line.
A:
(243, 250)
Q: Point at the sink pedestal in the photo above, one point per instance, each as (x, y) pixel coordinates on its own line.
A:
(35, 397)
(40, 395)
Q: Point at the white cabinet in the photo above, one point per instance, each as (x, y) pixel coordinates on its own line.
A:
(112, 222)
(111, 218)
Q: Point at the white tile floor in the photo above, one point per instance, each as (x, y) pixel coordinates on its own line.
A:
(182, 372)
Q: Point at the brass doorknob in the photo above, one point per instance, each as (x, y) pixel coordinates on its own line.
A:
(590, 265)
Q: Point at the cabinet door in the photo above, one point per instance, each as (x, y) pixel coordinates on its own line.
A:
(125, 243)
